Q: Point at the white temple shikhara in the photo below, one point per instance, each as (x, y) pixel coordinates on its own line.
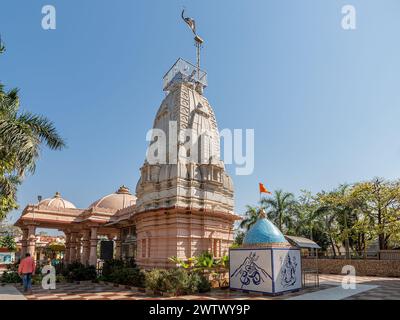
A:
(182, 206)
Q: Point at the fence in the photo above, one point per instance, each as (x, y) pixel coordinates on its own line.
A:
(368, 255)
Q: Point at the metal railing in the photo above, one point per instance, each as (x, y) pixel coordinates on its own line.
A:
(183, 71)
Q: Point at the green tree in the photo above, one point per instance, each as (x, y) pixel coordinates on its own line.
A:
(239, 237)
(8, 242)
(307, 215)
(21, 136)
(252, 215)
(280, 208)
(342, 204)
(379, 201)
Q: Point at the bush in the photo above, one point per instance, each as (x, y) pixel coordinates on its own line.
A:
(128, 276)
(76, 271)
(122, 272)
(8, 242)
(176, 281)
(199, 283)
(37, 278)
(154, 278)
(83, 274)
(110, 265)
(10, 277)
(13, 267)
(60, 278)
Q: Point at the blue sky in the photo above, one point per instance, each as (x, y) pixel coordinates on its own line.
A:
(324, 102)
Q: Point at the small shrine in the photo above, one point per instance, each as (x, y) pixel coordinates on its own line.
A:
(266, 262)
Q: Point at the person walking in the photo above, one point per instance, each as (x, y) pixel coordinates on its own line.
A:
(26, 269)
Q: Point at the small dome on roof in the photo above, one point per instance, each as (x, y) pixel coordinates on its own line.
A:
(122, 198)
(264, 232)
(57, 202)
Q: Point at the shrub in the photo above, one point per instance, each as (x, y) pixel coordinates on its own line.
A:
(83, 273)
(176, 281)
(60, 278)
(110, 265)
(13, 267)
(76, 271)
(8, 242)
(205, 261)
(153, 279)
(199, 283)
(128, 276)
(37, 278)
(10, 277)
(122, 272)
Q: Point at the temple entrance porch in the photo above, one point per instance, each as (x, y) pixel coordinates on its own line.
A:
(81, 244)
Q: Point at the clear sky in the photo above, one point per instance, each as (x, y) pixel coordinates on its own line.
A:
(324, 102)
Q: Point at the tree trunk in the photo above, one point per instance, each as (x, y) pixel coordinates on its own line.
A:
(333, 246)
(346, 242)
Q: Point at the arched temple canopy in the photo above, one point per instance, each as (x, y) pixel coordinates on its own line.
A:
(81, 226)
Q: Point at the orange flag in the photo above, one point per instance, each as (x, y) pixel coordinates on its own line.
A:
(263, 189)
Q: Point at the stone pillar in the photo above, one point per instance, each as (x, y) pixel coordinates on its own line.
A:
(86, 247)
(31, 241)
(118, 243)
(24, 243)
(72, 247)
(93, 247)
(78, 247)
(67, 247)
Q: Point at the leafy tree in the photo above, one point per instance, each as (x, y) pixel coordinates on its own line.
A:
(21, 136)
(280, 208)
(239, 238)
(252, 215)
(8, 242)
(379, 201)
(340, 203)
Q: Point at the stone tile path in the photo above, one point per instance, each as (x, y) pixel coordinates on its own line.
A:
(9, 292)
(382, 288)
(335, 293)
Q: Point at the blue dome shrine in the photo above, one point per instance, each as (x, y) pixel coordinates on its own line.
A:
(264, 232)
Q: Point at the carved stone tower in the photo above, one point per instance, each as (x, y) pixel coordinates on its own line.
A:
(184, 195)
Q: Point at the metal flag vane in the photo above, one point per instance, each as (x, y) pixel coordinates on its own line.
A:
(197, 40)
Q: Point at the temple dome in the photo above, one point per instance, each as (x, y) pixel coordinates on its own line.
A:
(57, 202)
(122, 198)
(264, 232)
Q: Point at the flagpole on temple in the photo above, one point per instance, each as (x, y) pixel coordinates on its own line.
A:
(197, 40)
(198, 43)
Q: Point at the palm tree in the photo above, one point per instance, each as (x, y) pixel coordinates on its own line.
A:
(280, 206)
(307, 215)
(339, 202)
(21, 136)
(252, 215)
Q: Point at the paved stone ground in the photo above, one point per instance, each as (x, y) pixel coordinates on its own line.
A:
(9, 292)
(387, 288)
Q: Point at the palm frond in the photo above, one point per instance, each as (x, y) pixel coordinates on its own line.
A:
(44, 129)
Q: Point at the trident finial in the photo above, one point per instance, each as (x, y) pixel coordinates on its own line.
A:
(197, 40)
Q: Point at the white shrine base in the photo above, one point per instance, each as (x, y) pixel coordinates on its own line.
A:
(265, 270)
